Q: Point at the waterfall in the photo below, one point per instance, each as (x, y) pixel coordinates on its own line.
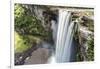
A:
(66, 29)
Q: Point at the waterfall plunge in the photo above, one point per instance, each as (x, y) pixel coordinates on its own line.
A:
(66, 29)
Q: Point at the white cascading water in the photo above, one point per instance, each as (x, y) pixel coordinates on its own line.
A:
(66, 29)
(54, 26)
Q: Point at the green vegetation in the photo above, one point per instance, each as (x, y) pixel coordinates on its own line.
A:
(21, 44)
(28, 29)
(25, 23)
(90, 51)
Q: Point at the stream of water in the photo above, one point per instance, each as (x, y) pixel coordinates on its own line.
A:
(66, 29)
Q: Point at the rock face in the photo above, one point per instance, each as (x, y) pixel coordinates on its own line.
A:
(21, 57)
(85, 36)
(44, 14)
(39, 56)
